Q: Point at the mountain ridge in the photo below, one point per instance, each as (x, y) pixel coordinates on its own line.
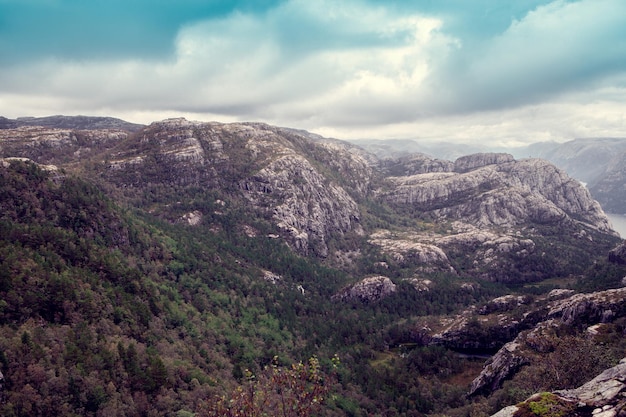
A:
(178, 256)
(71, 122)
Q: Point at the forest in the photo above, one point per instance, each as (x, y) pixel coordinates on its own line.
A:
(109, 310)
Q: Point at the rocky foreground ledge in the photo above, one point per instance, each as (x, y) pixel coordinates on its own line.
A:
(603, 396)
(587, 310)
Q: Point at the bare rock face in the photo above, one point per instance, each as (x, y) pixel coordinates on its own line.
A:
(471, 162)
(278, 171)
(412, 247)
(431, 251)
(305, 204)
(498, 368)
(597, 307)
(603, 396)
(45, 145)
(415, 164)
(367, 290)
(605, 392)
(579, 309)
(173, 151)
(504, 303)
(496, 190)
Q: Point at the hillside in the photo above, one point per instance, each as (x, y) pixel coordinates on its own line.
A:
(597, 162)
(70, 122)
(143, 272)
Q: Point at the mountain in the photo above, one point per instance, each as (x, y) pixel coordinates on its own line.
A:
(152, 272)
(71, 122)
(397, 148)
(584, 159)
(610, 187)
(598, 162)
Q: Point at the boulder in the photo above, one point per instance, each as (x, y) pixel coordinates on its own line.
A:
(367, 290)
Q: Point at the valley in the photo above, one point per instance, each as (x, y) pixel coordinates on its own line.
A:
(165, 269)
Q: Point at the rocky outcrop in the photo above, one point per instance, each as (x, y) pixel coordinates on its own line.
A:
(71, 122)
(305, 207)
(192, 219)
(608, 188)
(57, 146)
(578, 310)
(598, 307)
(603, 396)
(367, 290)
(415, 164)
(484, 251)
(498, 368)
(412, 248)
(495, 190)
(471, 162)
(504, 303)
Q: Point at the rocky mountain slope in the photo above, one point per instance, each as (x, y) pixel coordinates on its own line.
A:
(597, 162)
(176, 256)
(603, 396)
(312, 190)
(70, 122)
(495, 190)
(584, 159)
(589, 311)
(610, 187)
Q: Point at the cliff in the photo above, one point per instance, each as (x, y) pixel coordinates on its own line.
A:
(319, 193)
(495, 190)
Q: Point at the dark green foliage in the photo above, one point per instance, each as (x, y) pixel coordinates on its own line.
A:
(107, 310)
(602, 275)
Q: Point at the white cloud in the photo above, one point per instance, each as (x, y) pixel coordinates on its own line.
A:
(553, 49)
(346, 69)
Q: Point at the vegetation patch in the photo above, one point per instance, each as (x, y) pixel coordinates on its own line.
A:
(545, 404)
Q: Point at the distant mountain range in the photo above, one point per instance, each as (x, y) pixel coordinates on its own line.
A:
(600, 163)
(597, 162)
(70, 122)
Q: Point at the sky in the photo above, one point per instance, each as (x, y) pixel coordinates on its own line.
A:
(472, 71)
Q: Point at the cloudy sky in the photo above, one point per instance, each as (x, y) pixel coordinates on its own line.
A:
(461, 70)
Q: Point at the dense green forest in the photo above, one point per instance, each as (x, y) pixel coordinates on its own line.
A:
(108, 310)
